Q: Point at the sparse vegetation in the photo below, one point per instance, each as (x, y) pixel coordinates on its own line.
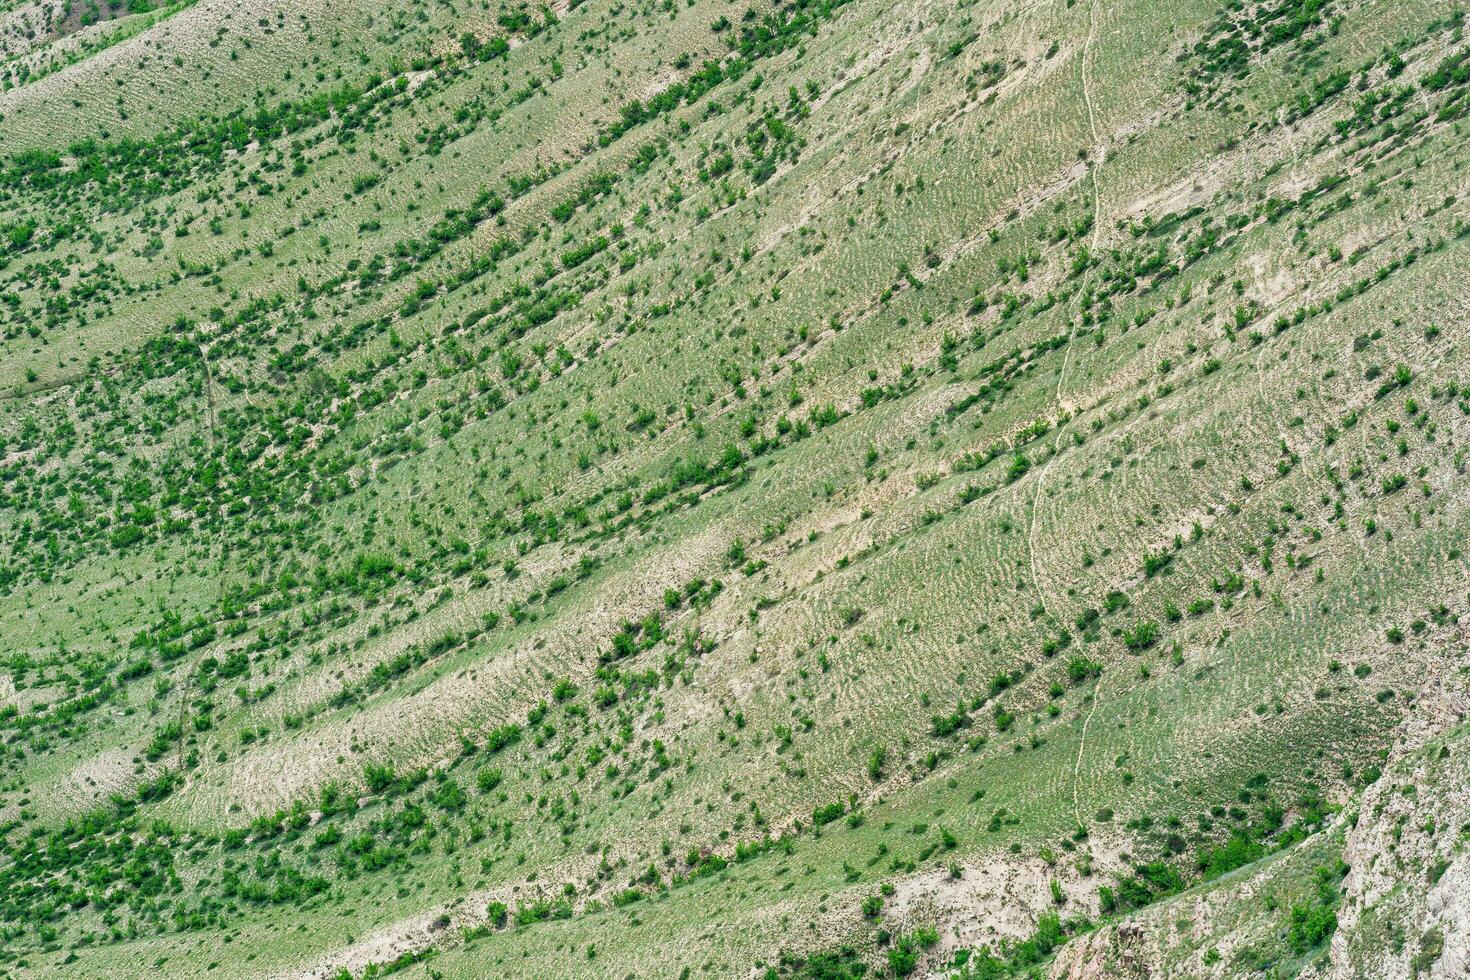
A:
(685, 488)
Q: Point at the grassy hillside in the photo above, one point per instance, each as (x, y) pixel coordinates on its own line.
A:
(688, 488)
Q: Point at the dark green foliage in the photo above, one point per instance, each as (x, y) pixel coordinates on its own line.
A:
(1309, 924)
(1237, 852)
(1142, 636)
(841, 964)
(903, 956)
(1080, 669)
(823, 815)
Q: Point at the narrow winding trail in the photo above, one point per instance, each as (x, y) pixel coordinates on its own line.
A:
(1086, 71)
(1061, 380)
(1071, 332)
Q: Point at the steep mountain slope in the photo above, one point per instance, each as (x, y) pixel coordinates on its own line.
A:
(707, 489)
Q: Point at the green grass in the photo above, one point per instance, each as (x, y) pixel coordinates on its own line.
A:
(357, 406)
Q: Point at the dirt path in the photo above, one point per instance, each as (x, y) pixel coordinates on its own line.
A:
(1092, 246)
(1061, 380)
